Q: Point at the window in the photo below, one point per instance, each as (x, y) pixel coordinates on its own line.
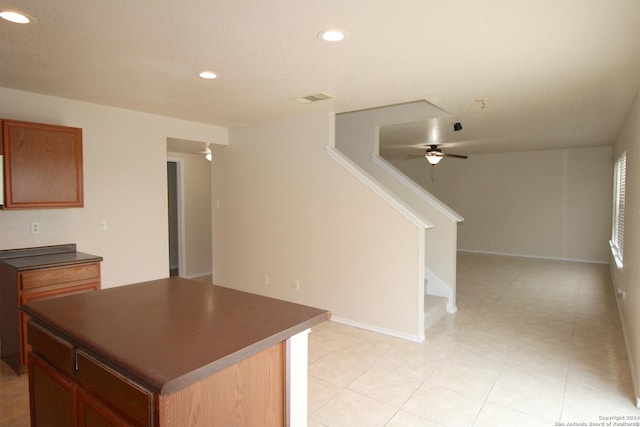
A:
(617, 230)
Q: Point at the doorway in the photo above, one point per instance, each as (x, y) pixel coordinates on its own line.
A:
(174, 196)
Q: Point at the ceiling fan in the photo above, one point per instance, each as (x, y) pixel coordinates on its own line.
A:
(435, 154)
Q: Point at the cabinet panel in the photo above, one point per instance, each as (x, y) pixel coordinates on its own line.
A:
(132, 400)
(52, 396)
(251, 392)
(93, 413)
(43, 165)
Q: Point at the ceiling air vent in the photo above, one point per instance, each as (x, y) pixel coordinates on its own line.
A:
(313, 98)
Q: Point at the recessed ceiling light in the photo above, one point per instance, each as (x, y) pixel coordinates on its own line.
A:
(15, 16)
(208, 75)
(333, 35)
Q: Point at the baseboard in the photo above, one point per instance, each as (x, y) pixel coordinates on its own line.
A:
(634, 377)
(588, 261)
(377, 329)
(198, 275)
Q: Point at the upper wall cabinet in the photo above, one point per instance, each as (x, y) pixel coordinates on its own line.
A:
(42, 165)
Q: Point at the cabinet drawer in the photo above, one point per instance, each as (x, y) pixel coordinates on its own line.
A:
(58, 275)
(131, 400)
(58, 352)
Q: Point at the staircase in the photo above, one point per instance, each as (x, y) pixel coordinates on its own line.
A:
(434, 308)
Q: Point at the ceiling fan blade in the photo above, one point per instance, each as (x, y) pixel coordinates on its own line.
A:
(459, 156)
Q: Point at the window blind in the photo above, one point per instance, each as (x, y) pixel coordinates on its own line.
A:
(617, 233)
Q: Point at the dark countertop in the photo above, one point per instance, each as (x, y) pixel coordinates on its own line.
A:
(170, 333)
(46, 256)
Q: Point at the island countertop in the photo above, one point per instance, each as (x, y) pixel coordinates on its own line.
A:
(170, 333)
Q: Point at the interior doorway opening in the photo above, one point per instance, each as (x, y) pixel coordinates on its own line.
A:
(174, 195)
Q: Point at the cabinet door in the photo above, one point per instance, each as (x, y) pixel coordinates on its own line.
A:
(43, 165)
(52, 396)
(93, 413)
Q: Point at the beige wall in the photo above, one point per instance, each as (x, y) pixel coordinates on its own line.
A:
(125, 182)
(196, 213)
(289, 211)
(628, 278)
(552, 204)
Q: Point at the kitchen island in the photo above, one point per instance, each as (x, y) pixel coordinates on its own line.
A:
(169, 352)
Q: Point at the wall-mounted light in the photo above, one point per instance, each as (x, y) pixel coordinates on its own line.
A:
(207, 154)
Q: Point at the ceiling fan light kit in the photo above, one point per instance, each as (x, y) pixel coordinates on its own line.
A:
(435, 154)
(433, 157)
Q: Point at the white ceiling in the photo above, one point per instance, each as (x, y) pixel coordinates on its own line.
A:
(555, 73)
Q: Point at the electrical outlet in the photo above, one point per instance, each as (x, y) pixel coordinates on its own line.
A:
(102, 224)
(35, 227)
(266, 279)
(296, 285)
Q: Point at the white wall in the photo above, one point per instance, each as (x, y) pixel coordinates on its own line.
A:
(289, 211)
(552, 204)
(196, 190)
(628, 279)
(125, 182)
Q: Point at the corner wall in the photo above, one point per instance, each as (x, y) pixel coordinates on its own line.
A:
(290, 212)
(125, 182)
(627, 279)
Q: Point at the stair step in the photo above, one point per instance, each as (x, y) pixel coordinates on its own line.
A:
(434, 308)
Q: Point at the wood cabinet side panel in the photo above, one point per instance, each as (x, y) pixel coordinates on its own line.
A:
(9, 317)
(251, 392)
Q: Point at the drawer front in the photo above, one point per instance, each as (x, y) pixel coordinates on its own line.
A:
(58, 352)
(126, 397)
(59, 275)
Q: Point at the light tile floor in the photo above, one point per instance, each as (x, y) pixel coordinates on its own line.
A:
(14, 398)
(534, 343)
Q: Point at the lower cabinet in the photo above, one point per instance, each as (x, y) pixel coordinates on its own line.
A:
(58, 402)
(70, 389)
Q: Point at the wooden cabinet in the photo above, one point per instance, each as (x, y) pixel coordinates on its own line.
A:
(42, 165)
(58, 399)
(84, 392)
(33, 274)
(171, 353)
